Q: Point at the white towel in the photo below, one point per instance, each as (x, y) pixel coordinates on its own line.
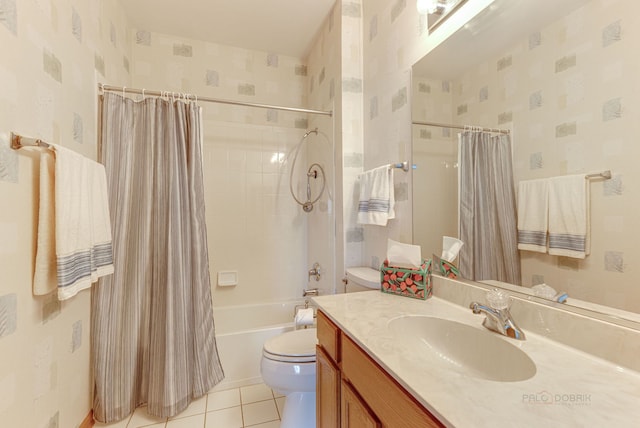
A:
(533, 208)
(569, 227)
(45, 278)
(82, 224)
(376, 203)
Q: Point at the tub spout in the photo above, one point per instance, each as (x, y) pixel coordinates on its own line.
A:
(310, 292)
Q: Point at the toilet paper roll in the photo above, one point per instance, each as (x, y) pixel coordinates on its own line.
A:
(304, 317)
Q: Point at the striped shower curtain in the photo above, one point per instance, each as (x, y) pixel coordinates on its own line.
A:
(152, 330)
(488, 225)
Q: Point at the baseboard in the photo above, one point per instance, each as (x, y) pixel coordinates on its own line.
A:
(88, 421)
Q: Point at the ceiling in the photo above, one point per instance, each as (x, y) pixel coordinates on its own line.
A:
(286, 27)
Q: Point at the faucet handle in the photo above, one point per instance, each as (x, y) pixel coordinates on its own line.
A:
(498, 299)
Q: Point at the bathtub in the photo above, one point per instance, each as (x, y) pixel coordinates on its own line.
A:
(240, 333)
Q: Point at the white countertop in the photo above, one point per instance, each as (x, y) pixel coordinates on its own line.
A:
(570, 388)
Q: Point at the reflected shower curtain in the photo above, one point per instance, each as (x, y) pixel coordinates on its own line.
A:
(152, 330)
(488, 225)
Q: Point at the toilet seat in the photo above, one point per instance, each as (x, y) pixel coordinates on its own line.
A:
(297, 346)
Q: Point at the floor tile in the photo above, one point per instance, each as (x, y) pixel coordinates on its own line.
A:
(224, 418)
(272, 424)
(280, 405)
(121, 424)
(260, 412)
(223, 399)
(196, 407)
(141, 418)
(195, 421)
(253, 393)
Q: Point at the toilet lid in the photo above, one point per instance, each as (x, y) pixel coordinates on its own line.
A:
(293, 346)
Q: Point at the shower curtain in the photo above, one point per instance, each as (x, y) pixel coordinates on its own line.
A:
(488, 224)
(152, 329)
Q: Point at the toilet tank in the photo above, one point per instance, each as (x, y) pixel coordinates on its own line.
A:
(362, 279)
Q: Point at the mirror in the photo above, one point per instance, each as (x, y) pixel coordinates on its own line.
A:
(564, 79)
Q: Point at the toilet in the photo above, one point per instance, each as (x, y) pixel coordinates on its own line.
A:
(288, 367)
(288, 364)
(362, 279)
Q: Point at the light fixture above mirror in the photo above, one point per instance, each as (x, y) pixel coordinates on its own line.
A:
(437, 10)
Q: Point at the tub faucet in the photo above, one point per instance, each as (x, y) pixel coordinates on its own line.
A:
(315, 272)
(310, 292)
(498, 318)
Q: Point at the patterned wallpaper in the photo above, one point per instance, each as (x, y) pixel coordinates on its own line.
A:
(53, 54)
(393, 33)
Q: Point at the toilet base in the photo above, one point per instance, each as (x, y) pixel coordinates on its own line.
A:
(299, 410)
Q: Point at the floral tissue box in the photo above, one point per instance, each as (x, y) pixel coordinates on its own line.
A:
(414, 282)
(448, 269)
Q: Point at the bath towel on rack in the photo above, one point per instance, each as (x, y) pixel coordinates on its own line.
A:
(377, 200)
(569, 218)
(533, 209)
(45, 278)
(79, 235)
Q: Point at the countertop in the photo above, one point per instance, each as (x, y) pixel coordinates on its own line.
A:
(570, 388)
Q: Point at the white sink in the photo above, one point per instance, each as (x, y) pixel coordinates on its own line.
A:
(468, 350)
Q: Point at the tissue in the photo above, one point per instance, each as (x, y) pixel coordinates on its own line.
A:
(304, 317)
(403, 255)
(450, 248)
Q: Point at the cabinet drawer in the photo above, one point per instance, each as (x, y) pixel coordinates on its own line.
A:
(393, 406)
(355, 413)
(328, 337)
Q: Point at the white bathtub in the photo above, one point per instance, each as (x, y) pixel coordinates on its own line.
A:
(240, 333)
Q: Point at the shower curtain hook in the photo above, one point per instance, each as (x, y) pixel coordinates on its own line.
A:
(143, 98)
(124, 91)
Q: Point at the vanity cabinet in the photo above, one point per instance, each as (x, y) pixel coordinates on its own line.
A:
(353, 391)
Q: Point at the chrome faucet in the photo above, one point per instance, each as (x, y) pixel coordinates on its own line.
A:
(315, 272)
(498, 318)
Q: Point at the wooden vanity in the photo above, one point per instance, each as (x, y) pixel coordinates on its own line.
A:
(353, 391)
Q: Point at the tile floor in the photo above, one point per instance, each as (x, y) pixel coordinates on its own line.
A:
(255, 406)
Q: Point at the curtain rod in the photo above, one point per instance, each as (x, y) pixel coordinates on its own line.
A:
(465, 127)
(144, 92)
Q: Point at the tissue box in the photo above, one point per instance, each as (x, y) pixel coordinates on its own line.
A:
(414, 283)
(448, 269)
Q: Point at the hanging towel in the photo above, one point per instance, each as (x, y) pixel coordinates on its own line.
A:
(82, 223)
(376, 203)
(569, 227)
(533, 208)
(45, 278)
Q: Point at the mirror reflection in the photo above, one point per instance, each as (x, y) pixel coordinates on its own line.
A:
(563, 80)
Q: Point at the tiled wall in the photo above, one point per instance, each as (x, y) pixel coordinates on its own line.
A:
(254, 225)
(53, 54)
(570, 93)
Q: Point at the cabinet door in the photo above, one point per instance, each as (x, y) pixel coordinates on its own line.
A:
(355, 413)
(327, 391)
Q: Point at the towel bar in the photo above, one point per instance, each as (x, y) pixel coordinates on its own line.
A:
(604, 174)
(18, 142)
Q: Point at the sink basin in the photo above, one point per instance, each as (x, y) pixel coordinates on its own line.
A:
(468, 350)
